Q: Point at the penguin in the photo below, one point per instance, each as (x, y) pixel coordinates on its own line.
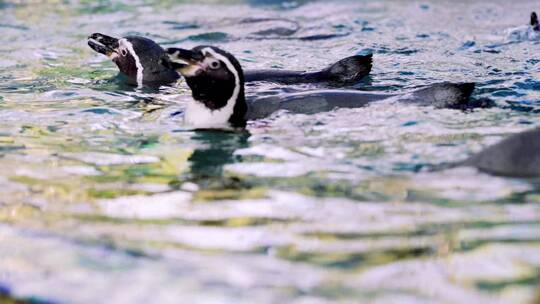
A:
(524, 33)
(534, 22)
(137, 58)
(515, 156)
(216, 80)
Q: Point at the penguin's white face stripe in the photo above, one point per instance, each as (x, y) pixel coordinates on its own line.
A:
(124, 43)
(198, 115)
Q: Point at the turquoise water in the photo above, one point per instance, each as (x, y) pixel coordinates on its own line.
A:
(108, 198)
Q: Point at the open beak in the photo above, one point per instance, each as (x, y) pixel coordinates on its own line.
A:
(103, 44)
(187, 62)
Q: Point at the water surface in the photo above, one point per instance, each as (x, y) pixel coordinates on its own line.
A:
(107, 197)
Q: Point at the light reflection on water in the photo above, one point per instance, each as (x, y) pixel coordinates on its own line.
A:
(104, 190)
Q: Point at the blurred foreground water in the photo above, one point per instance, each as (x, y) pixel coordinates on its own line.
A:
(106, 197)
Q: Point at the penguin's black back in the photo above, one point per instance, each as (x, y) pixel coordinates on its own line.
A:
(516, 156)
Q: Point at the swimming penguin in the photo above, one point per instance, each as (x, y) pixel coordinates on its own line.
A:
(138, 58)
(217, 84)
(534, 22)
(515, 156)
(524, 33)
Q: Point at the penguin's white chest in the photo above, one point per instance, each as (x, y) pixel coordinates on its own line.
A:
(199, 116)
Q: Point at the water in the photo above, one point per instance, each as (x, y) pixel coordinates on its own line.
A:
(107, 197)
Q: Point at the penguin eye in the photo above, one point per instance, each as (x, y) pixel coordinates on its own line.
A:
(215, 65)
(123, 52)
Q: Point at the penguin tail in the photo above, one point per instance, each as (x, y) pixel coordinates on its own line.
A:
(534, 21)
(350, 69)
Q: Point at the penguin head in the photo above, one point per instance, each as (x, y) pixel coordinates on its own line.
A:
(136, 57)
(534, 21)
(216, 80)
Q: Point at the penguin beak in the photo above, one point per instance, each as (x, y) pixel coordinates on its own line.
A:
(187, 62)
(103, 44)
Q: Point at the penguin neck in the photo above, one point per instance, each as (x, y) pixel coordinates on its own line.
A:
(205, 113)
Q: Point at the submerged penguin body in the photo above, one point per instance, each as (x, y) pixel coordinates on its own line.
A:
(347, 70)
(439, 95)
